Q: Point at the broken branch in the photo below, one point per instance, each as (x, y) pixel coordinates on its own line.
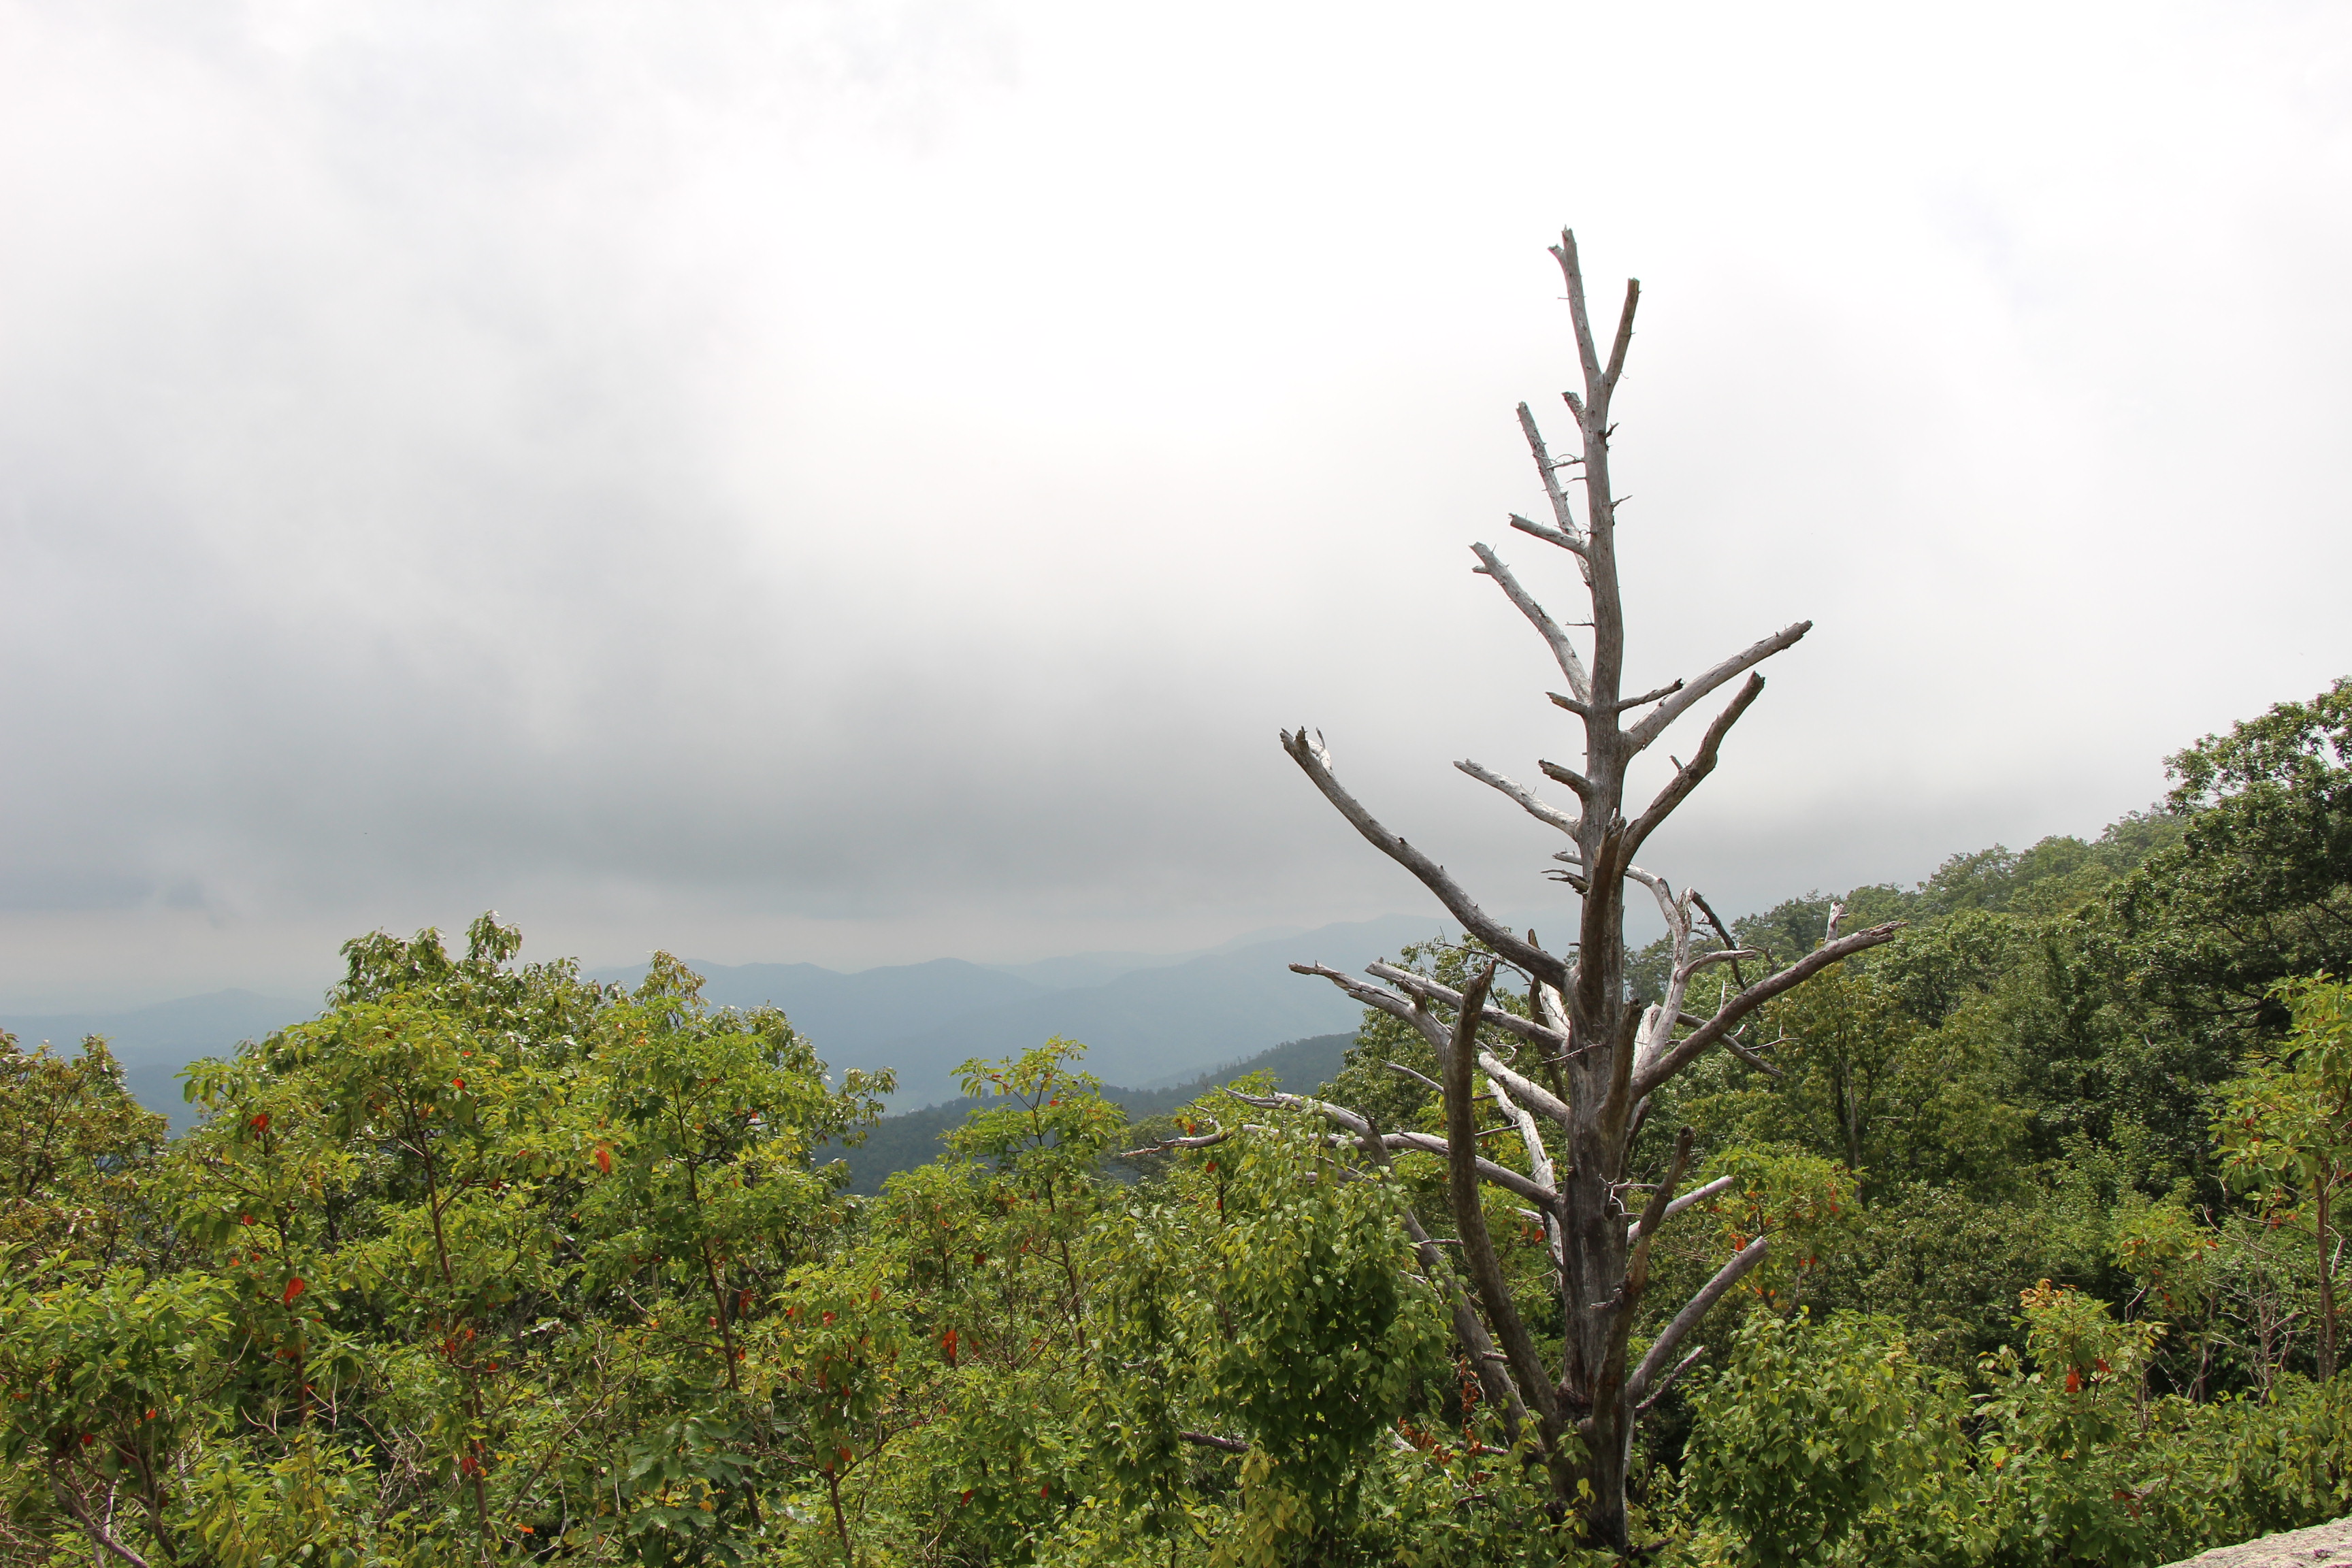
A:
(1687, 1051)
(1315, 760)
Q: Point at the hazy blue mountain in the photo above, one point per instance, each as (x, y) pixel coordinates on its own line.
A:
(848, 1015)
(912, 1138)
(1079, 969)
(1154, 1026)
(1152, 1020)
(154, 1043)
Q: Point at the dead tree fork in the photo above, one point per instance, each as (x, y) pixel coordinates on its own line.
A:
(1586, 1034)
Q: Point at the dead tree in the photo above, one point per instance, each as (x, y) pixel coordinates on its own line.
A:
(1608, 1053)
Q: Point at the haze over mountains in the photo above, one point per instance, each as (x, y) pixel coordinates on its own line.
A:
(1152, 1022)
(1149, 1019)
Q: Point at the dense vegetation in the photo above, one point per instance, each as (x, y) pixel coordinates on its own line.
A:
(490, 1263)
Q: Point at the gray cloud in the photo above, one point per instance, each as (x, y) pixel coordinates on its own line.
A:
(855, 483)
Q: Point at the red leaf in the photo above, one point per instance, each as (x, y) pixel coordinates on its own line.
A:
(947, 1342)
(294, 1288)
(604, 1159)
(2073, 1381)
(261, 1122)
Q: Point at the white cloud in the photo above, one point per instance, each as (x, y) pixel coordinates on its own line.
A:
(858, 482)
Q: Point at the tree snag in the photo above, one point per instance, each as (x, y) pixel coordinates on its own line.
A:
(1586, 1032)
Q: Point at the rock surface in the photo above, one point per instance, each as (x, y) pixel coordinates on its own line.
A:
(2320, 1544)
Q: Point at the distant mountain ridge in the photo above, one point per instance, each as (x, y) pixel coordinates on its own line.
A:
(1150, 1024)
(1154, 1020)
(912, 1138)
(154, 1043)
(852, 1011)
(1153, 1025)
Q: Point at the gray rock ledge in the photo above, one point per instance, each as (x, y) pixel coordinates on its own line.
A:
(2320, 1544)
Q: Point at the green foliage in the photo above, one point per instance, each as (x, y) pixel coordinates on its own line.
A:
(1278, 1289)
(78, 1145)
(1812, 1429)
(2259, 886)
(489, 1262)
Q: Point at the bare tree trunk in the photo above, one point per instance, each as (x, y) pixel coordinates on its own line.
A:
(1603, 1055)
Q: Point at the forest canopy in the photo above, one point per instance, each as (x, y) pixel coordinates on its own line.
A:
(489, 1263)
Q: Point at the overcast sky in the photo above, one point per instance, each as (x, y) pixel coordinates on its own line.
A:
(857, 483)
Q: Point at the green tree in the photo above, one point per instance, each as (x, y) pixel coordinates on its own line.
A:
(1810, 1428)
(2285, 1129)
(2258, 889)
(78, 1148)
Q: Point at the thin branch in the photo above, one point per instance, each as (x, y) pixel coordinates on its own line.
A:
(1421, 985)
(1661, 1197)
(1502, 1176)
(1470, 1214)
(1687, 1049)
(1571, 663)
(1540, 1166)
(1654, 1214)
(1423, 1022)
(1210, 1440)
(1624, 336)
(1315, 761)
(1548, 535)
(1688, 1201)
(1624, 703)
(1682, 701)
(1688, 776)
(1572, 270)
(1722, 955)
(1360, 1127)
(1723, 933)
(1169, 1145)
(1680, 1367)
(1364, 991)
(1422, 1079)
(1543, 811)
(99, 1534)
(1494, 1376)
(1637, 1387)
(1568, 776)
(1510, 1078)
(1530, 1136)
(1562, 510)
(1749, 1055)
